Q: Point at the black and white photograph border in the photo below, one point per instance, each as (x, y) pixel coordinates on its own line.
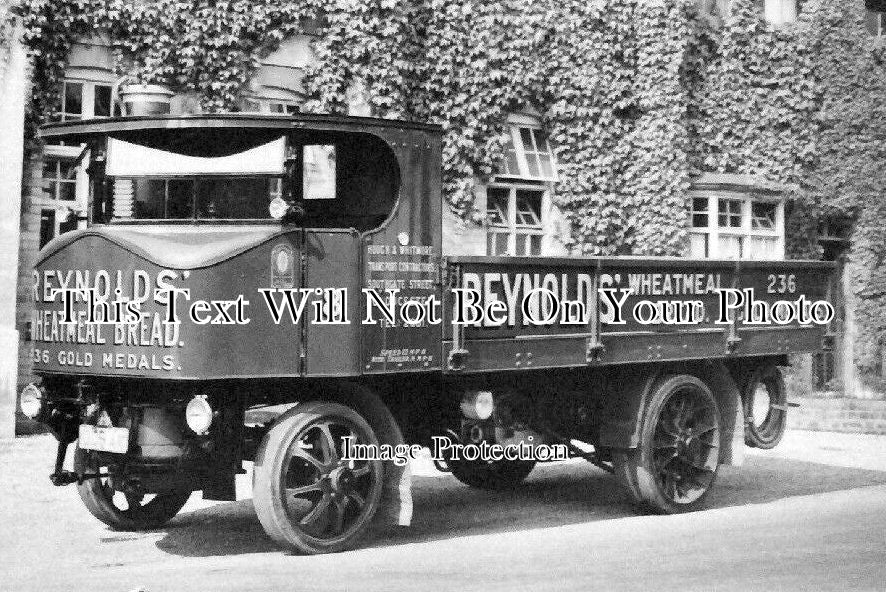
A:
(414, 295)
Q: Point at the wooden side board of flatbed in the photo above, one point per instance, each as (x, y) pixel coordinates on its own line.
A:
(519, 345)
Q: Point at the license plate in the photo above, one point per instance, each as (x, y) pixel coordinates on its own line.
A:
(104, 439)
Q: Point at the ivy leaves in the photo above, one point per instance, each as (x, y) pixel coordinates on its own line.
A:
(208, 47)
(637, 96)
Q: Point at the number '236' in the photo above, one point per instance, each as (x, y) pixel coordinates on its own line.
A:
(781, 283)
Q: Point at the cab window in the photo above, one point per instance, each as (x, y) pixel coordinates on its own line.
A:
(341, 180)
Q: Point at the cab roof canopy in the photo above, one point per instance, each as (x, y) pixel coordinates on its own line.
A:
(221, 134)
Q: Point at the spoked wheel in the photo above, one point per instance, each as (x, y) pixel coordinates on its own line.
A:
(306, 496)
(124, 510)
(765, 400)
(676, 462)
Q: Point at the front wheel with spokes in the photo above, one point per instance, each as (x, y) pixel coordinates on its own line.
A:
(306, 494)
(676, 462)
(124, 510)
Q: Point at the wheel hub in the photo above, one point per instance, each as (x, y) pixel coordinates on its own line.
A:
(684, 441)
(341, 479)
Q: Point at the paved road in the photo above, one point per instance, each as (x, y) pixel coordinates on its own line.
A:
(810, 515)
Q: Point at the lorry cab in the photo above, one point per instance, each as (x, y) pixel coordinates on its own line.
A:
(224, 205)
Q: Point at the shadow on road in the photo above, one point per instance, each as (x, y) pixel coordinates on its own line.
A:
(554, 495)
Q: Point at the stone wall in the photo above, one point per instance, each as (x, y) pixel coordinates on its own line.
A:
(860, 416)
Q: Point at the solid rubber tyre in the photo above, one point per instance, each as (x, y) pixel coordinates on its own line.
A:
(769, 433)
(287, 454)
(675, 464)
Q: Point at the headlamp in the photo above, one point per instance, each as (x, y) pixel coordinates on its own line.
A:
(31, 401)
(198, 415)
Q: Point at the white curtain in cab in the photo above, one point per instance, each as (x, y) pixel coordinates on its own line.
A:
(131, 160)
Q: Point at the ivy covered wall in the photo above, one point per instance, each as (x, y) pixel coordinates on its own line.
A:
(639, 96)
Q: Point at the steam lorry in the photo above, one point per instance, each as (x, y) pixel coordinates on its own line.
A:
(273, 289)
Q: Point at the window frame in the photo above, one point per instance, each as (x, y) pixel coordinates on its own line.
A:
(57, 180)
(275, 188)
(267, 106)
(534, 227)
(87, 99)
(512, 229)
(514, 131)
(61, 151)
(712, 232)
(62, 207)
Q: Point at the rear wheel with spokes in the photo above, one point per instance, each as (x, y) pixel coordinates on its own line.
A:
(676, 463)
(306, 495)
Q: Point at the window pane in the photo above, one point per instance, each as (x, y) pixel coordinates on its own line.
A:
(526, 138)
(59, 178)
(538, 162)
(530, 149)
(730, 247)
(102, 100)
(73, 99)
(509, 164)
(231, 199)
(180, 204)
(150, 198)
(50, 168)
(522, 247)
(50, 176)
(529, 208)
(283, 108)
(276, 188)
(47, 226)
(68, 224)
(67, 169)
(497, 243)
(534, 169)
(761, 248)
(730, 213)
(67, 191)
(700, 212)
(698, 244)
(547, 167)
(763, 216)
(318, 180)
(497, 206)
(528, 245)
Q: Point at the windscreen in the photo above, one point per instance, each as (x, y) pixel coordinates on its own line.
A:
(153, 184)
(341, 180)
